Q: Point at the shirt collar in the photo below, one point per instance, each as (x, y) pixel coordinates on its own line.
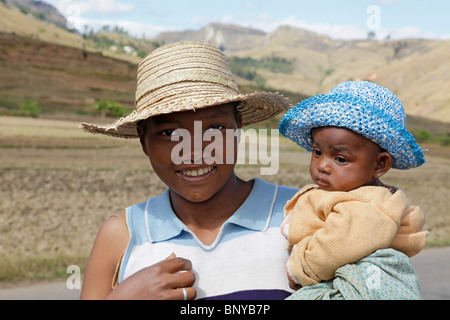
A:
(254, 213)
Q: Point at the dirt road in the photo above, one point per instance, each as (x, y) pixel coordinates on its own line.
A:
(431, 266)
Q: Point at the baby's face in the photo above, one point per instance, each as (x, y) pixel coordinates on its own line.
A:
(342, 160)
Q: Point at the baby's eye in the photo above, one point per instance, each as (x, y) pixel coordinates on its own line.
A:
(317, 152)
(341, 160)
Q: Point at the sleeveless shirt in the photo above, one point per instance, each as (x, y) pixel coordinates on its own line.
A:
(247, 259)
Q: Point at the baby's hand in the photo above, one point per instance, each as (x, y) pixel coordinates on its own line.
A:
(293, 285)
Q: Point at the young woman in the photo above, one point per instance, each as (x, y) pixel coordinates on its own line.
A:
(210, 234)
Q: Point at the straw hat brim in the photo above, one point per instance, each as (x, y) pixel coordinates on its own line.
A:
(252, 108)
(341, 110)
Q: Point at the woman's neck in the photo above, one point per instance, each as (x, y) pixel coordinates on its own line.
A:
(205, 218)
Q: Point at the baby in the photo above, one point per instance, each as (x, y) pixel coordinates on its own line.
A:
(356, 133)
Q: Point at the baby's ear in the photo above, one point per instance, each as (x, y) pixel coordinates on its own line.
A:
(384, 162)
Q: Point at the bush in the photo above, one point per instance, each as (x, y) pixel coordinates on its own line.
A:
(422, 136)
(111, 108)
(29, 108)
(444, 140)
(247, 67)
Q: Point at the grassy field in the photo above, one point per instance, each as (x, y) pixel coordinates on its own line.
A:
(58, 184)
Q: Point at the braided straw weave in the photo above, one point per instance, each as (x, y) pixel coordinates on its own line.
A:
(188, 76)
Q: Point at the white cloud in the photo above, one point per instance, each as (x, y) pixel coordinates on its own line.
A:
(136, 29)
(345, 32)
(197, 20)
(97, 6)
(75, 11)
(263, 22)
(342, 32)
(387, 2)
(412, 32)
(227, 19)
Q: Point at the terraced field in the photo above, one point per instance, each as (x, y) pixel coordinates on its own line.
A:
(58, 184)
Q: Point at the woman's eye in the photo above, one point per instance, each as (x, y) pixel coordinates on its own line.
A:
(168, 132)
(175, 134)
(216, 127)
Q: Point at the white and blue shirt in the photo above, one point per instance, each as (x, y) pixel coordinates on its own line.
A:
(247, 259)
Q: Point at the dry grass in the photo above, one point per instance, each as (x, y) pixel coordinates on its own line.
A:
(59, 184)
(13, 20)
(60, 79)
(415, 70)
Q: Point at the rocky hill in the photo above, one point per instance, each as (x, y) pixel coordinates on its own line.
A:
(418, 71)
(288, 58)
(229, 38)
(38, 9)
(24, 20)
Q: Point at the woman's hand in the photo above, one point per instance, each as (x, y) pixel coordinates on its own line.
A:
(161, 281)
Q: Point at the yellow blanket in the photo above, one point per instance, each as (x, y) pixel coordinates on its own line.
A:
(328, 230)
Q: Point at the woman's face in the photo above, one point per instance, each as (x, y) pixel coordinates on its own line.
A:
(177, 146)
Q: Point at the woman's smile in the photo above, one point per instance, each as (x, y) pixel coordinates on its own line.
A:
(196, 171)
(196, 174)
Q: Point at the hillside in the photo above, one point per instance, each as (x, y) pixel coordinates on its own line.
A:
(58, 78)
(38, 9)
(229, 38)
(416, 70)
(15, 21)
(288, 59)
(62, 79)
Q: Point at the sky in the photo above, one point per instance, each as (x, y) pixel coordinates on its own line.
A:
(338, 19)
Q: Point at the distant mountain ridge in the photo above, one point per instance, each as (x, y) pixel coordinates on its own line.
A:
(418, 71)
(233, 38)
(228, 37)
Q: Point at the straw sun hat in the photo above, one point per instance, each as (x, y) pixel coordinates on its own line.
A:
(363, 107)
(188, 76)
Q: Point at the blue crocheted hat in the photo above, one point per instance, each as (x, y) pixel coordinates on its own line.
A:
(363, 107)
